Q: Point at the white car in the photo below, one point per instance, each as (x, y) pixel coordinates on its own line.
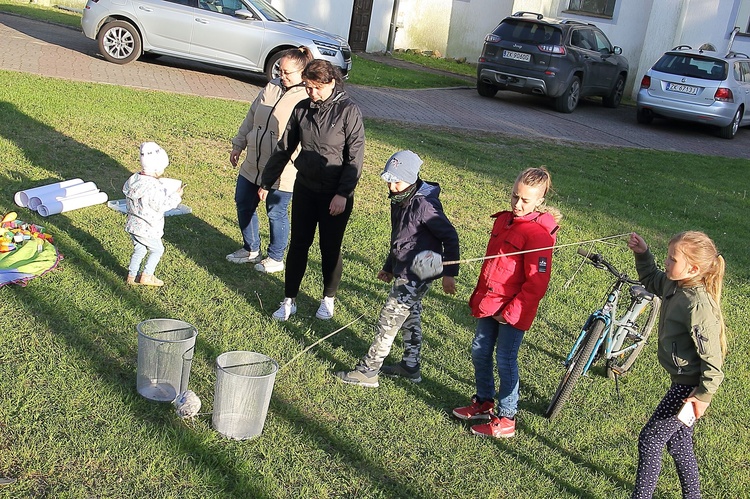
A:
(243, 34)
(698, 85)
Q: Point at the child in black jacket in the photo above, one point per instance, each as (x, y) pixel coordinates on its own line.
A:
(417, 224)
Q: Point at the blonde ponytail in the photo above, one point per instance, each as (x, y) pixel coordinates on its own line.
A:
(700, 250)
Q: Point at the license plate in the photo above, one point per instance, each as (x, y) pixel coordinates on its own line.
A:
(683, 89)
(516, 56)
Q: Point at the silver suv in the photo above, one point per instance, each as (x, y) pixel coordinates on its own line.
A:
(698, 85)
(243, 34)
(559, 58)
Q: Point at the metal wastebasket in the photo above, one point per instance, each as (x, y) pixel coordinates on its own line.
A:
(165, 354)
(244, 383)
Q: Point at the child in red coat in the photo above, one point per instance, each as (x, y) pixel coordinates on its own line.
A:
(506, 299)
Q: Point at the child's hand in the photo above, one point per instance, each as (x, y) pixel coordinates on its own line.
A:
(449, 285)
(499, 318)
(385, 276)
(698, 406)
(262, 194)
(637, 244)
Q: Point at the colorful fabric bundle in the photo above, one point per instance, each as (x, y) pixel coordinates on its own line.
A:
(26, 252)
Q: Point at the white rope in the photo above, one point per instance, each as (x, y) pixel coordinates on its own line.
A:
(455, 262)
(322, 339)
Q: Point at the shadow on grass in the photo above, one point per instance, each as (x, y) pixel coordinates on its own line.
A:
(108, 352)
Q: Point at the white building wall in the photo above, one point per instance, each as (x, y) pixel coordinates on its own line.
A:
(662, 33)
(334, 16)
(724, 16)
(423, 25)
(634, 21)
(380, 25)
(470, 21)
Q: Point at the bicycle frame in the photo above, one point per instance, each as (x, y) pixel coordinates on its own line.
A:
(620, 339)
(623, 326)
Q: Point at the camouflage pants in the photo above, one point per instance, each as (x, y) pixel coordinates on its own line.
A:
(402, 311)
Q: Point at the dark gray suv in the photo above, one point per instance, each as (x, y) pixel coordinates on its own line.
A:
(557, 58)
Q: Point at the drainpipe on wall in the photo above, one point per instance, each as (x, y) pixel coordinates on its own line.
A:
(731, 39)
(393, 28)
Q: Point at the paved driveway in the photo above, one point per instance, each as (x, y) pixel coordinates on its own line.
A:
(51, 50)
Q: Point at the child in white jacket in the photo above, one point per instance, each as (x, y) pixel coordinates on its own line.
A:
(147, 200)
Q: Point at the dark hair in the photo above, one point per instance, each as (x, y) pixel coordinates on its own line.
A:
(300, 56)
(321, 71)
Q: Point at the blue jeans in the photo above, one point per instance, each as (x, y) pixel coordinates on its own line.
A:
(489, 335)
(142, 245)
(277, 202)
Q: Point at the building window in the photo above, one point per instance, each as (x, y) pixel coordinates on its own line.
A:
(604, 8)
(743, 16)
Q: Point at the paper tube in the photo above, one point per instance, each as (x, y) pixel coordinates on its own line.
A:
(22, 197)
(68, 204)
(56, 195)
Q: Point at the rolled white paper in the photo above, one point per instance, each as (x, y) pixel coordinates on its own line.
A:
(172, 185)
(68, 204)
(22, 197)
(56, 195)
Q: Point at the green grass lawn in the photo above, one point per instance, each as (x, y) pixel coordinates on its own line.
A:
(73, 425)
(468, 68)
(40, 12)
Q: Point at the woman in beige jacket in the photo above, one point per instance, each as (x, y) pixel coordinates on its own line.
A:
(260, 131)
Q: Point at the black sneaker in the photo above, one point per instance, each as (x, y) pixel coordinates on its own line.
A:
(413, 374)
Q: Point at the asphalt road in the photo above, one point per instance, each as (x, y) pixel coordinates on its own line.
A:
(57, 51)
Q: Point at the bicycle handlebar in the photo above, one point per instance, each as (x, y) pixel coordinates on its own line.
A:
(599, 262)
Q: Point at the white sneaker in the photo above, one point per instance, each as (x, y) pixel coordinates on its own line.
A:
(287, 308)
(269, 266)
(325, 310)
(244, 256)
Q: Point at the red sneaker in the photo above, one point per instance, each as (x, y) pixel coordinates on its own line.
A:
(477, 410)
(501, 427)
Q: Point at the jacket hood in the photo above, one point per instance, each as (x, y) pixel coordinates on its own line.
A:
(428, 189)
(546, 220)
(136, 186)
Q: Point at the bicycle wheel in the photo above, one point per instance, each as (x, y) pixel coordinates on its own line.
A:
(575, 368)
(620, 365)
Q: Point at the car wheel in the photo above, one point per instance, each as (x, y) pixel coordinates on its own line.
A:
(119, 42)
(272, 66)
(729, 131)
(614, 98)
(485, 89)
(568, 101)
(644, 116)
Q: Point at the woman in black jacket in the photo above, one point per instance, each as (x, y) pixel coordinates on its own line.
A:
(329, 128)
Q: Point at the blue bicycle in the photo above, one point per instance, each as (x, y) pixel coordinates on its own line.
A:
(618, 340)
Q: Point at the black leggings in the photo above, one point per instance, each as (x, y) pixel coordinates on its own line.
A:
(662, 430)
(310, 209)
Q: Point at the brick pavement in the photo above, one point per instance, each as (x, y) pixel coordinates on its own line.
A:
(62, 52)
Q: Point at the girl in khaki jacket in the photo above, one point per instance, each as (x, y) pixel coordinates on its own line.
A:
(692, 345)
(259, 133)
